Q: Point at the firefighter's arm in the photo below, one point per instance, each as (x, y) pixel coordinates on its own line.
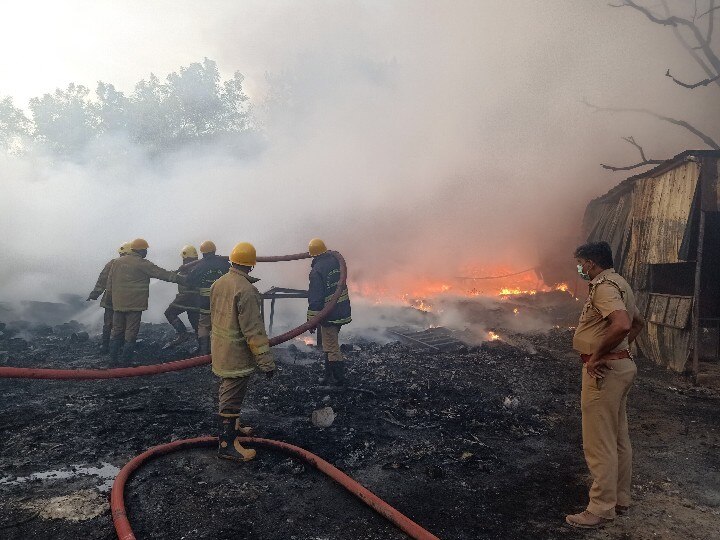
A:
(316, 294)
(252, 327)
(101, 283)
(154, 271)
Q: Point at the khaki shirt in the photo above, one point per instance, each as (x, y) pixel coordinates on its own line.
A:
(129, 282)
(101, 287)
(239, 343)
(608, 292)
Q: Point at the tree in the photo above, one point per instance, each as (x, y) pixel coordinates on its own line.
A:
(14, 125)
(192, 105)
(695, 34)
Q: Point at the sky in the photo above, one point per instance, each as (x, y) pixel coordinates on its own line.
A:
(433, 138)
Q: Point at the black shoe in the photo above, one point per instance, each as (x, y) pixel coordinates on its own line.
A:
(115, 349)
(229, 446)
(327, 378)
(128, 352)
(338, 371)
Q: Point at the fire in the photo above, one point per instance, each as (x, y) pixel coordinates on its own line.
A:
(422, 293)
(492, 336)
(307, 340)
(516, 311)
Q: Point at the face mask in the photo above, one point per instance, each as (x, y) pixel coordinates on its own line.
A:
(583, 275)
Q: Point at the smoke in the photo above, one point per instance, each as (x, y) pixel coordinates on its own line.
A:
(424, 140)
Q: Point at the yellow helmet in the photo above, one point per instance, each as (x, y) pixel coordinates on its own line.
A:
(317, 247)
(208, 246)
(139, 243)
(244, 254)
(125, 248)
(189, 252)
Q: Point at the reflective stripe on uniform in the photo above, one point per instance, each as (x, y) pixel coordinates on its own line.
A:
(204, 291)
(186, 308)
(228, 334)
(343, 298)
(233, 373)
(341, 321)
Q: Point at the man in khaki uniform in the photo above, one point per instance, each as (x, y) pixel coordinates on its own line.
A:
(130, 286)
(101, 287)
(186, 301)
(609, 322)
(240, 346)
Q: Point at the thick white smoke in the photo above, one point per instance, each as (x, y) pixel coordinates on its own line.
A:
(416, 137)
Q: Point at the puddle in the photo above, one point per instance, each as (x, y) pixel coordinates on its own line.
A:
(79, 506)
(106, 472)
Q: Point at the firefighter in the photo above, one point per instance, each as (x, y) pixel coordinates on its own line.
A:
(106, 301)
(324, 279)
(129, 282)
(240, 346)
(201, 277)
(186, 301)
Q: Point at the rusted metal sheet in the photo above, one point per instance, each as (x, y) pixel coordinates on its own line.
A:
(659, 216)
(669, 310)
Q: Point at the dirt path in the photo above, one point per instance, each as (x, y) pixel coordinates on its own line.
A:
(483, 443)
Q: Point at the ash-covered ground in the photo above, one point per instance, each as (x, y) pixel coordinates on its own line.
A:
(481, 442)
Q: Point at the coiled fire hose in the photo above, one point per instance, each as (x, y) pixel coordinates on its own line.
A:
(125, 532)
(117, 503)
(177, 365)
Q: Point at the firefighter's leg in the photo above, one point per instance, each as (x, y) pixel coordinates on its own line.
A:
(204, 327)
(107, 328)
(117, 335)
(231, 395)
(132, 328)
(331, 347)
(181, 334)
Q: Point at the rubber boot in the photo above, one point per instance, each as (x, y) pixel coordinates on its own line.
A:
(115, 349)
(105, 347)
(229, 447)
(182, 334)
(327, 378)
(128, 352)
(204, 345)
(338, 371)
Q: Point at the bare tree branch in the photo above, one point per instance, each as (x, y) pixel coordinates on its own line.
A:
(645, 161)
(711, 23)
(709, 11)
(704, 82)
(682, 123)
(674, 21)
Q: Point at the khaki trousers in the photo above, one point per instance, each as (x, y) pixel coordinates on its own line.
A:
(606, 441)
(232, 393)
(204, 325)
(127, 324)
(330, 342)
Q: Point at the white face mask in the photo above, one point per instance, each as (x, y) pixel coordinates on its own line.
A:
(583, 275)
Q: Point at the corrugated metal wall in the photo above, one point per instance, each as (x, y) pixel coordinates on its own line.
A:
(645, 225)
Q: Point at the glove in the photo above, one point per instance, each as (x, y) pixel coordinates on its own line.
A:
(312, 330)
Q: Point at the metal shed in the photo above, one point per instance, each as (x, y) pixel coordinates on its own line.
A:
(664, 229)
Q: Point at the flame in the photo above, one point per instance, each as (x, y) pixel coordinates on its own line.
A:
(516, 311)
(422, 293)
(492, 336)
(307, 340)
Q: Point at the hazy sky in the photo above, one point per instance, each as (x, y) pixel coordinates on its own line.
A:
(433, 137)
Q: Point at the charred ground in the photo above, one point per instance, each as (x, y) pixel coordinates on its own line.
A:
(483, 442)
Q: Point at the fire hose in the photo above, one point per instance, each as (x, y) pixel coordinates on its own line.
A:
(125, 532)
(117, 503)
(177, 365)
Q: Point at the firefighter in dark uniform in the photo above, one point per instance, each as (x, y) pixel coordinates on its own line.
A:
(324, 279)
(203, 274)
(186, 301)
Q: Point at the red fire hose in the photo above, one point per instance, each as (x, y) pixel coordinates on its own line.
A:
(125, 532)
(177, 365)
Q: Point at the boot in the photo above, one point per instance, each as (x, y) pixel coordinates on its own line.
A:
(181, 337)
(204, 345)
(327, 378)
(128, 352)
(229, 447)
(105, 347)
(338, 371)
(115, 348)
